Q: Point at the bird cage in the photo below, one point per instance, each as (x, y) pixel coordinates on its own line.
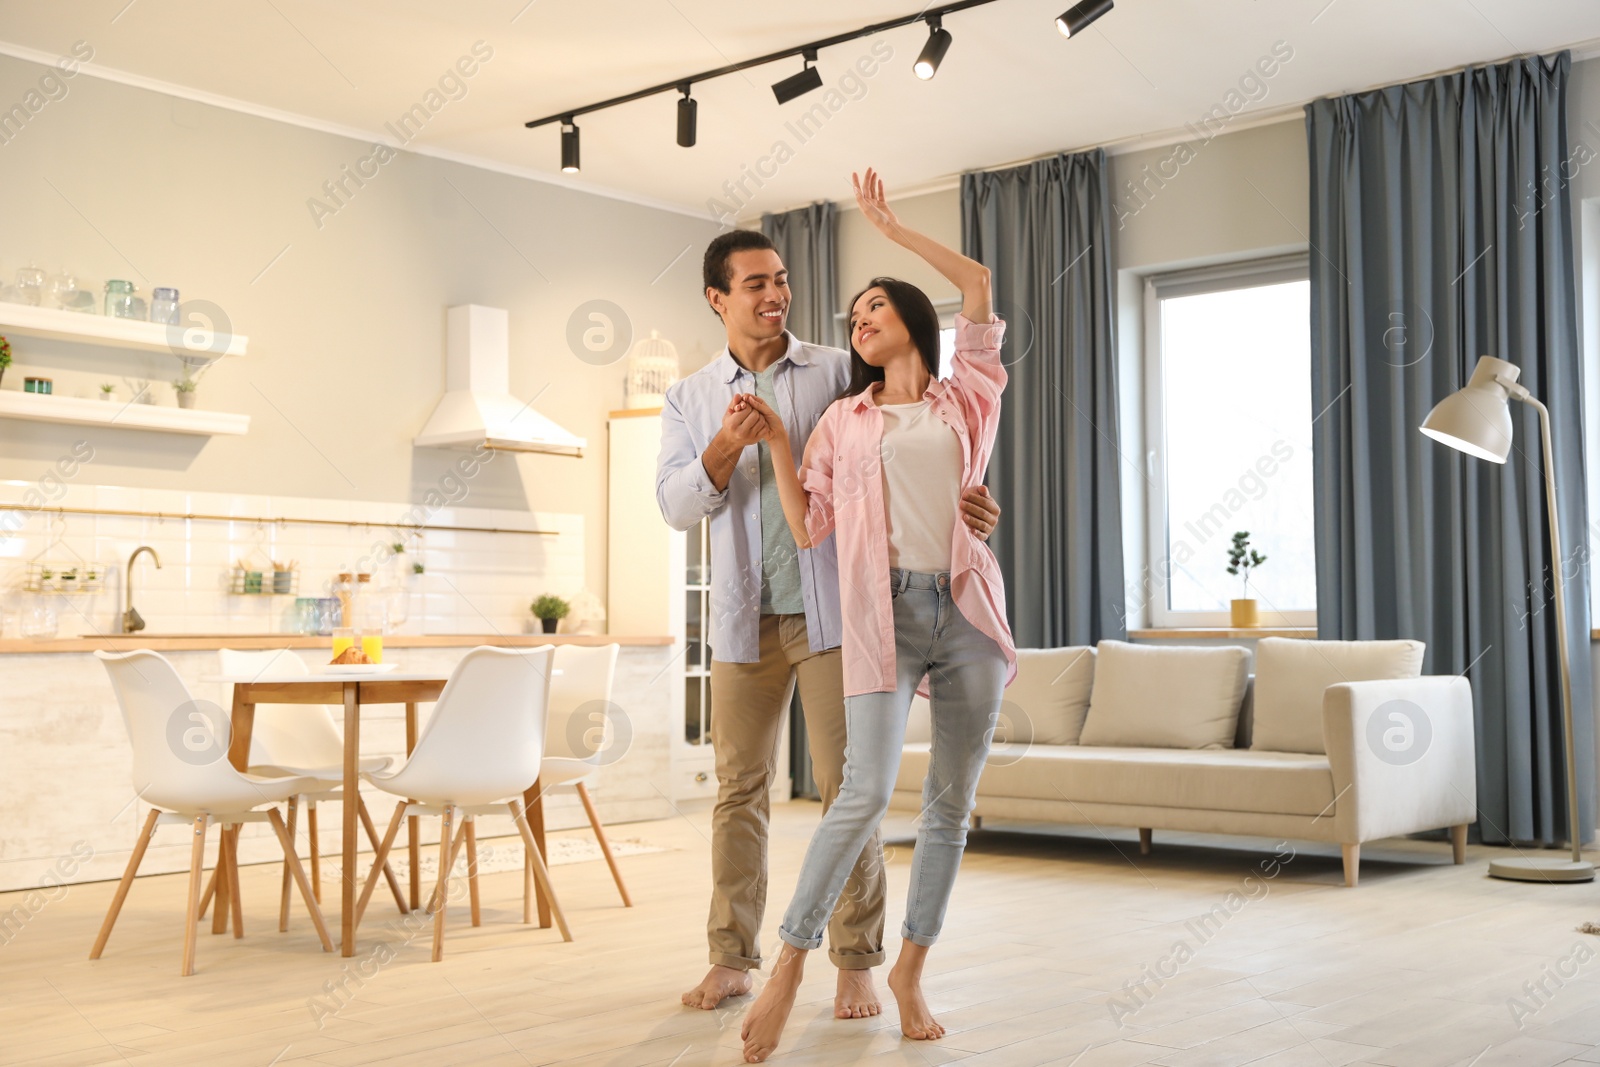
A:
(652, 367)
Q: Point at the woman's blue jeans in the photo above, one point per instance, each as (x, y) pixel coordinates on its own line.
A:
(966, 673)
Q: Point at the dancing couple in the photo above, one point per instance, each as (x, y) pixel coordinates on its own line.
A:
(901, 598)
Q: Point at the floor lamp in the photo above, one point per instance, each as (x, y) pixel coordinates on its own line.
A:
(1477, 420)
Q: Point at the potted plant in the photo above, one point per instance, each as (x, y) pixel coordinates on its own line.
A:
(1241, 560)
(550, 610)
(185, 389)
(5, 356)
(107, 389)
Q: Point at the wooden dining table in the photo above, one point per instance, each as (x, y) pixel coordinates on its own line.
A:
(353, 692)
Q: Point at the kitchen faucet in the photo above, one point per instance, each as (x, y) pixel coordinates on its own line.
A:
(132, 621)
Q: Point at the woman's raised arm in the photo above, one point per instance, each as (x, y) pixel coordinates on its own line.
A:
(967, 275)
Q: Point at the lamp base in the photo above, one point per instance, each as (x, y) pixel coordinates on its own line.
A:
(1528, 869)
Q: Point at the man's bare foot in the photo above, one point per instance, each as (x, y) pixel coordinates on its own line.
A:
(719, 983)
(856, 998)
(905, 982)
(763, 1024)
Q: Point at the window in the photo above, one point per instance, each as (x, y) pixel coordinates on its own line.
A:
(1228, 417)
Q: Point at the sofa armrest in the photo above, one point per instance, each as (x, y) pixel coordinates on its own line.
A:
(1403, 756)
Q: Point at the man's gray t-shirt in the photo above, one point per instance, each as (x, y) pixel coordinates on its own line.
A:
(780, 560)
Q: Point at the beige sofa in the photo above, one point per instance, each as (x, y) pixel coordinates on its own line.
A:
(1326, 741)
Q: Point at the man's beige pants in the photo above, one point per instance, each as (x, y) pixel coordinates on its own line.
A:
(747, 705)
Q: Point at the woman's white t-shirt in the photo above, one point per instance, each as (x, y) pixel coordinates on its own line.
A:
(921, 484)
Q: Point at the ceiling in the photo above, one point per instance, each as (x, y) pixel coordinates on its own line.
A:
(1010, 88)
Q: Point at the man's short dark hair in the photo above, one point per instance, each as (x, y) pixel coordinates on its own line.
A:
(715, 270)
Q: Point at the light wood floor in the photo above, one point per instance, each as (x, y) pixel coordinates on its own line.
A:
(1417, 966)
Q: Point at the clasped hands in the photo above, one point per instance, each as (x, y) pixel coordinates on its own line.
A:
(749, 420)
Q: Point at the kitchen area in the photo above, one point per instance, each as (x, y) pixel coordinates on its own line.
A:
(407, 401)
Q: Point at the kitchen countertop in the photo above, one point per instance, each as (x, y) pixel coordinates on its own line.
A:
(210, 642)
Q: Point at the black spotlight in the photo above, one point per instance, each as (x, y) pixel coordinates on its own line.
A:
(799, 84)
(1077, 17)
(569, 146)
(927, 64)
(686, 118)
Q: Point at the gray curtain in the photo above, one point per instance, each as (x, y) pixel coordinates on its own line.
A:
(1441, 230)
(805, 239)
(1043, 230)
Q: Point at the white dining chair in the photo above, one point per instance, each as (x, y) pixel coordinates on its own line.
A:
(575, 743)
(181, 769)
(479, 752)
(300, 739)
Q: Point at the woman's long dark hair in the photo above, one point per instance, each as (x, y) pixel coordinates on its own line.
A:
(922, 323)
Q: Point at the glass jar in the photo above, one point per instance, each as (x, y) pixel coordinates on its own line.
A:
(39, 618)
(164, 306)
(30, 286)
(64, 292)
(120, 301)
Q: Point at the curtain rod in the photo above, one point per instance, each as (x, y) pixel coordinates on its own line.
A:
(263, 520)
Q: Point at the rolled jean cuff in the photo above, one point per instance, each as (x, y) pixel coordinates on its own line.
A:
(856, 961)
(738, 963)
(795, 941)
(921, 940)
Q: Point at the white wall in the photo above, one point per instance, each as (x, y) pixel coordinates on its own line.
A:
(346, 322)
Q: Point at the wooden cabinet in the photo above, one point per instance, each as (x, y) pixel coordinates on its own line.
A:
(658, 580)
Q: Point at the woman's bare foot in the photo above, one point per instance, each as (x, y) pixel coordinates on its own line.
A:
(856, 998)
(719, 983)
(763, 1024)
(905, 982)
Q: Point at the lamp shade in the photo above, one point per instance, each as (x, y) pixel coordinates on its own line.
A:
(1476, 419)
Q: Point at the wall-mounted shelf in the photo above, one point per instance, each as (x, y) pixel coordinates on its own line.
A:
(58, 325)
(49, 408)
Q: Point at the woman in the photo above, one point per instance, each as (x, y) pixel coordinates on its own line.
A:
(886, 467)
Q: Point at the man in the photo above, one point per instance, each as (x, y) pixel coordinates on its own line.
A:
(775, 610)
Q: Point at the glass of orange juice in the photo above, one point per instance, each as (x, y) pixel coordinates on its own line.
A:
(372, 645)
(343, 638)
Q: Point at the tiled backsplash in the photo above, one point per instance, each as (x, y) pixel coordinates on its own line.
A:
(472, 582)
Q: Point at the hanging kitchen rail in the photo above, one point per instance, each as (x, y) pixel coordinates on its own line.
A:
(202, 517)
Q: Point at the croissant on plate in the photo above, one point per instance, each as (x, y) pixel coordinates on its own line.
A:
(353, 654)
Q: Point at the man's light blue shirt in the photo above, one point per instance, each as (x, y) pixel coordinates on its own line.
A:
(809, 378)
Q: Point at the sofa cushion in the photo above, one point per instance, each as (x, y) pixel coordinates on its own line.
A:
(1049, 699)
(1227, 779)
(1045, 704)
(1165, 697)
(1291, 676)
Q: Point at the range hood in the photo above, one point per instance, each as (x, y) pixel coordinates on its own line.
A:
(477, 407)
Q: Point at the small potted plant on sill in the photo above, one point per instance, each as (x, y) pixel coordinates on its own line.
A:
(550, 610)
(1241, 560)
(185, 387)
(107, 390)
(5, 356)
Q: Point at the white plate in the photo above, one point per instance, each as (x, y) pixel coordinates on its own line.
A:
(359, 668)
